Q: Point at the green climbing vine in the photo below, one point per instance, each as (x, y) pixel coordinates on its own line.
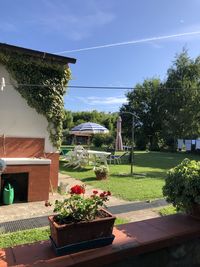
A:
(46, 100)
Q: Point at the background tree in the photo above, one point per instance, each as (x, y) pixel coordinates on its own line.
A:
(146, 102)
(182, 98)
(169, 110)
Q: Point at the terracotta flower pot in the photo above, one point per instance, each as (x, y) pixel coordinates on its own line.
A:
(72, 233)
(101, 176)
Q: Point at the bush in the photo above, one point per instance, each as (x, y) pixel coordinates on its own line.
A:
(141, 141)
(182, 187)
(102, 139)
(67, 137)
(108, 139)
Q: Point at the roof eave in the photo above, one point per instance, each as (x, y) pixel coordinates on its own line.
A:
(38, 54)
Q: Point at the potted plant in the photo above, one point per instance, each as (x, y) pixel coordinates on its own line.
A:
(80, 218)
(182, 187)
(101, 172)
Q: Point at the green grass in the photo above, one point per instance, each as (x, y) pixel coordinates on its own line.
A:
(122, 185)
(24, 237)
(121, 221)
(33, 235)
(168, 210)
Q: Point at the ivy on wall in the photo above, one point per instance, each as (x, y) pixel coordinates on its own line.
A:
(47, 99)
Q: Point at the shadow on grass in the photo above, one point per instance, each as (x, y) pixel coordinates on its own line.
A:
(150, 174)
(161, 160)
(64, 168)
(88, 179)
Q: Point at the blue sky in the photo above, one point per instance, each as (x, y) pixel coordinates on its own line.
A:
(60, 25)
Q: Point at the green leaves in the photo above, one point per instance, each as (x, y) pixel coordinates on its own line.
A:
(182, 187)
(46, 100)
(79, 208)
(166, 110)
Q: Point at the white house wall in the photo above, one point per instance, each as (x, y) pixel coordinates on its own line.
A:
(17, 119)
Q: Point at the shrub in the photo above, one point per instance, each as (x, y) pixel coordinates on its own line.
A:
(98, 140)
(102, 139)
(182, 187)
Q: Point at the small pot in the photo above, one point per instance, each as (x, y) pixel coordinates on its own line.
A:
(101, 176)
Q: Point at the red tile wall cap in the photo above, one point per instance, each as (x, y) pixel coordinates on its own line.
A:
(131, 239)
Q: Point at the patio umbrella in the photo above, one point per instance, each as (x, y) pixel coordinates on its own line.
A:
(88, 128)
(118, 142)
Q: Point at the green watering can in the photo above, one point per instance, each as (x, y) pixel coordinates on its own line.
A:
(8, 194)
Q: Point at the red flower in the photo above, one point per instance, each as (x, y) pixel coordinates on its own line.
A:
(108, 193)
(95, 192)
(77, 189)
(102, 195)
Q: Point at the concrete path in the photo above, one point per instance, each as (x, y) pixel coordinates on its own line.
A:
(133, 211)
(18, 211)
(72, 181)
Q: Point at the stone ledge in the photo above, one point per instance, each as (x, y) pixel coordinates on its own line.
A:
(132, 239)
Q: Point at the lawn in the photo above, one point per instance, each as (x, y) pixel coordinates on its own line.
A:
(168, 210)
(154, 164)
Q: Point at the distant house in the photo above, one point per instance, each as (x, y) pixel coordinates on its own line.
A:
(26, 134)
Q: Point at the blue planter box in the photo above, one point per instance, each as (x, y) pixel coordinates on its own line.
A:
(73, 248)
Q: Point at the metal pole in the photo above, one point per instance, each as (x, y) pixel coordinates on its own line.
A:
(132, 146)
(132, 140)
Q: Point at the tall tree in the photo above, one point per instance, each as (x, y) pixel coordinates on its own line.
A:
(182, 98)
(68, 120)
(146, 102)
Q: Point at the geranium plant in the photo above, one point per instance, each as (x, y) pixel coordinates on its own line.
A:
(78, 207)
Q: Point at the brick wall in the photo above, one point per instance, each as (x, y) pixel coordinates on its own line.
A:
(38, 180)
(54, 169)
(17, 147)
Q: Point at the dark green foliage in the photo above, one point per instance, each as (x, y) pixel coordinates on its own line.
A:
(145, 101)
(166, 110)
(68, 120)
(182, 104)
(66, 137)
(99, 140)
(182, 187)
(47, 99)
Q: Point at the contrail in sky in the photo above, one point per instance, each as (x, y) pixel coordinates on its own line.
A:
(145, 40)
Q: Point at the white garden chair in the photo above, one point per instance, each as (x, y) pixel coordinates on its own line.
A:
(78, 158)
